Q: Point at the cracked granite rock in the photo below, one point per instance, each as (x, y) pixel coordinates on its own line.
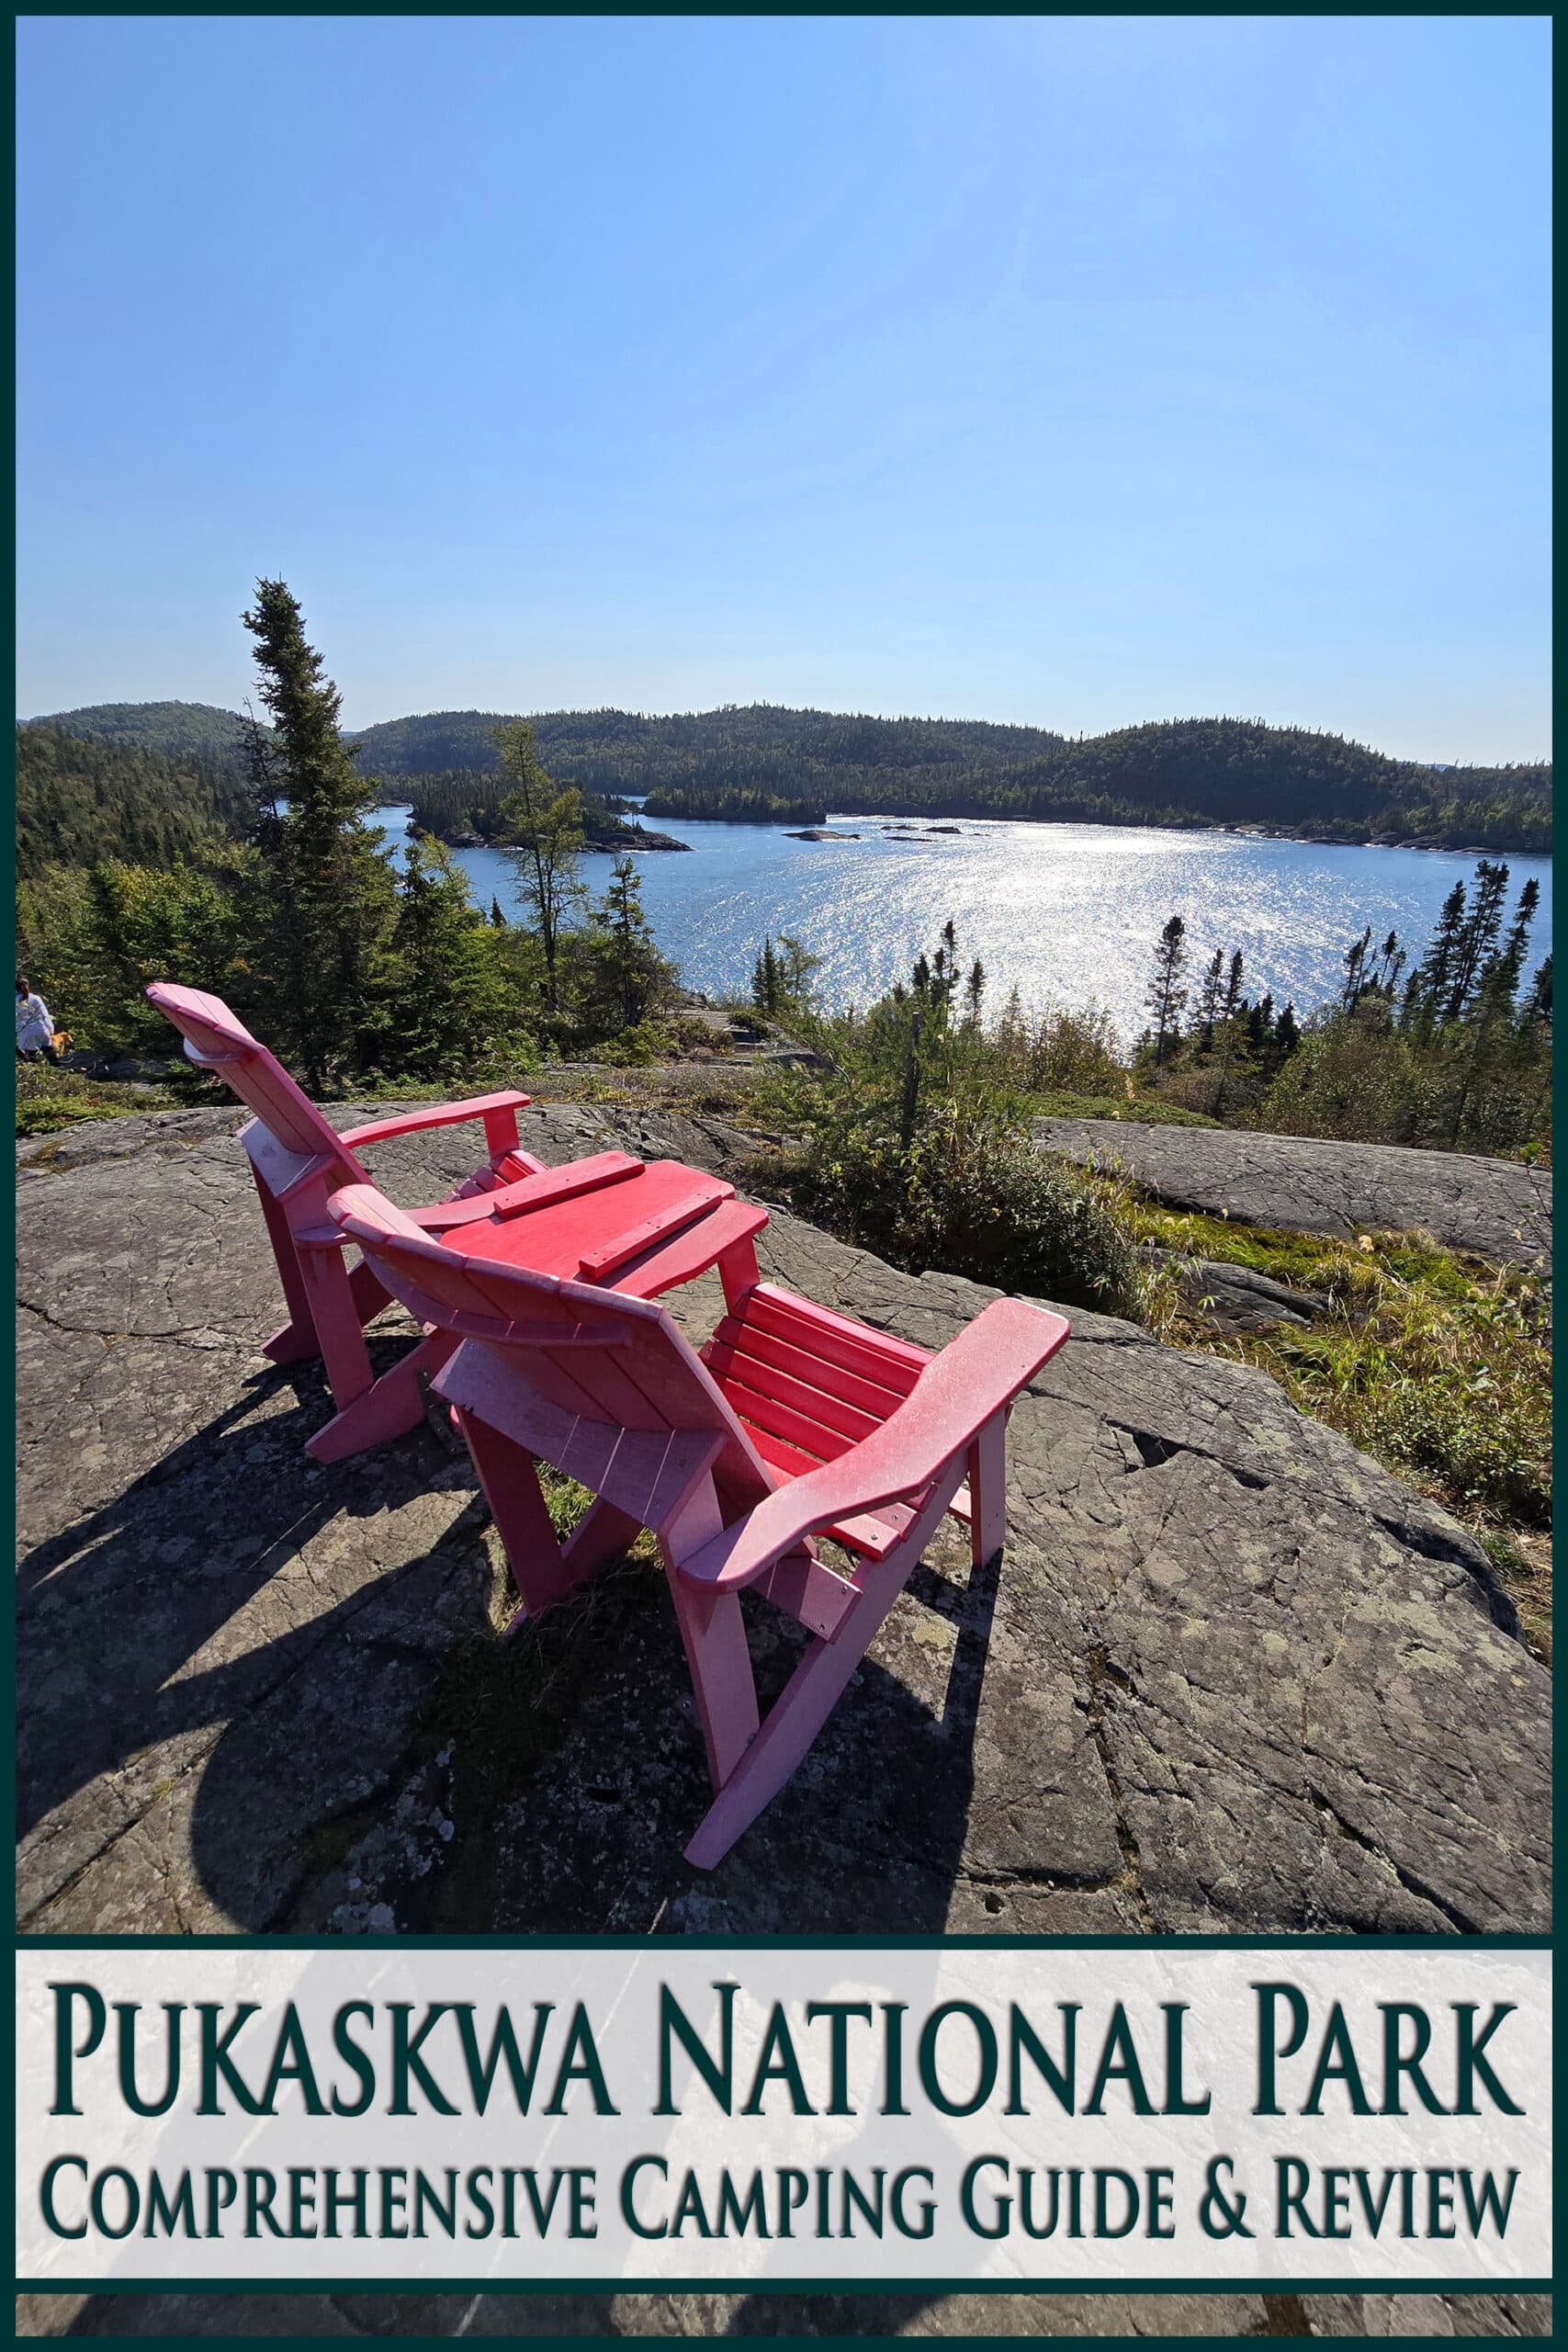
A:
(1229, 1676)
(1496, 1207)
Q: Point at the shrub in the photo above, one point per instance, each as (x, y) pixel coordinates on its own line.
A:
(970, 1197)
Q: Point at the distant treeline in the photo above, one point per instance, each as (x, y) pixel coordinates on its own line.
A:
(738, 804)
(732, 763)
(764, 763)
(79, 801)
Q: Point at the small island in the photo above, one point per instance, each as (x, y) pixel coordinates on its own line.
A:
(618, 837)
(821, 833)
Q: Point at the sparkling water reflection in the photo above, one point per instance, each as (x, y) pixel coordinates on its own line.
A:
(1068, 913)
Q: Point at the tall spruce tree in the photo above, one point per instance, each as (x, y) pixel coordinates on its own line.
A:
(1478, 939)
(766, 987)
(333, 900)
(1166, 996)
(1432, 979)
(635, 978)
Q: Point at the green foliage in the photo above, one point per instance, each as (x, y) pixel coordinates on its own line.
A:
(738, 804)
(629, 981)
(1437, 1364)
(47, 1099)
(454, 802)
(78, 801)
(450, 1007)
(913, 1140)
(94, 940)
(1452, 1059)
(967, 1194)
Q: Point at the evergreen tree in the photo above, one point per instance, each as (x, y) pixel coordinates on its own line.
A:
(1233, 1005)
(766, 987)
(974, 993)
(333, 899)
(1166, 995)
(1431, 981)
(635, 976)
(1478, 938)
(1515, 946)
(546, 823)
(1391, 963)
(797, 965)
(450, 1003)
(1209, 1001)
(1538, 1007)
(497, 918)
(1356, 972)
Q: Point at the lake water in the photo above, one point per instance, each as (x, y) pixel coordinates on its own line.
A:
(1070, 912)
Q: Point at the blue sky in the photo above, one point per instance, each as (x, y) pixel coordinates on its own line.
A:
(1076, 371)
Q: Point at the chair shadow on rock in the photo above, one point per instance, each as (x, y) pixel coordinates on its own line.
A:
(326, 1721)
(577, 1831)
(111, 1608)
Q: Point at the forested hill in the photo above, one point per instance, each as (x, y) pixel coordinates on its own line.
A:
(754, 760)
(748, 761)
(78, 801)
(757, 744)
(194, 730)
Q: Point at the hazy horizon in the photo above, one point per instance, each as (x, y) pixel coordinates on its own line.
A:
(1049, 370)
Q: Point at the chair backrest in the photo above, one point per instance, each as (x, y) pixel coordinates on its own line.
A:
(588, 1352)
(218, 1040)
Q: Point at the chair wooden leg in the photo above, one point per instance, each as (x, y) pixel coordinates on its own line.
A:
(389, 1408)
(522, 1516)
(809, 1696)
(297, 1340)
(370, 1294)
(988, 1490)
(337, 1321)
(712, 1634)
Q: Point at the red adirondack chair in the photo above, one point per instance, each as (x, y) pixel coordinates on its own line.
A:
(792, 1421)
(297, 1158)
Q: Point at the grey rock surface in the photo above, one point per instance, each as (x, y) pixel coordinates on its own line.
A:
(1230, 1675)
(1178, 2314)
(1497, 1207)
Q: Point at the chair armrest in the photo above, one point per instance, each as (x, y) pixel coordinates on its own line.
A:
(499, 1112)
(975, 1376)
(542, 1190)
(693, 1253)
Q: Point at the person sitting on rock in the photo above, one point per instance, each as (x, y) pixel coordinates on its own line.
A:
(35, 1024)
